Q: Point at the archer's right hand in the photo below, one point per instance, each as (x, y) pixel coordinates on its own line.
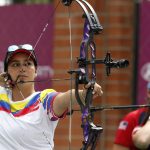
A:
(5, 80)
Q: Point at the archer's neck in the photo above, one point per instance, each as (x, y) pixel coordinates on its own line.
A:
(21, 92)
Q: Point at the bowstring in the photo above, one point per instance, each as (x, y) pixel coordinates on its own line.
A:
(21, 93)
(71, 75)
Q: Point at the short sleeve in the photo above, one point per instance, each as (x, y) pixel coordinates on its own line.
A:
(47, 97)
(124, 131)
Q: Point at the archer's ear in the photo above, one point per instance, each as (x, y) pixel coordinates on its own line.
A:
(36, 73)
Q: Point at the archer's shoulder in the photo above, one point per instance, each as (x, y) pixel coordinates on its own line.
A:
(46, 92)
(135, 113)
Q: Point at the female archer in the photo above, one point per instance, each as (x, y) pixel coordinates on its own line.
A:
(28, 117)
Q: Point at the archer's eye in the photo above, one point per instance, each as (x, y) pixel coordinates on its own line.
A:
(15, 64)
(29, 63)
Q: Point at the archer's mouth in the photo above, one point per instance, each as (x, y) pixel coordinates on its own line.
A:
(21, 78)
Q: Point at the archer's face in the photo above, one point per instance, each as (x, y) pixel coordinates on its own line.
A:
(21, 68)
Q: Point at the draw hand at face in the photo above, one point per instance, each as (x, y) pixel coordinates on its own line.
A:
(6, 80)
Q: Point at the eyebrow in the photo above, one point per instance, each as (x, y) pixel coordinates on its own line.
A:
(12, 61)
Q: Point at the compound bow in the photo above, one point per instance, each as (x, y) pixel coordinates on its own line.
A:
(87, 72)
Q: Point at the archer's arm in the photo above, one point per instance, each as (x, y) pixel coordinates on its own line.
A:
(123, 136)
(62, 100)
(141, 136)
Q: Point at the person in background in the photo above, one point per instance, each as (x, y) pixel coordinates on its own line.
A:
(28, 118)
(133, 132)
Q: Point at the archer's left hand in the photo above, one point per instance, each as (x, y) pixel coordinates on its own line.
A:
(97, 89)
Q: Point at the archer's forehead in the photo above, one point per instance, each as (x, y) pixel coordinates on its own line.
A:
(20, 57)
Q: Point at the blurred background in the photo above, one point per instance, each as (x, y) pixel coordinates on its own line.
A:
(126, 35)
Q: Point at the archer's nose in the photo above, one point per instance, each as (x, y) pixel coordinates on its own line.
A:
(22, 69)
